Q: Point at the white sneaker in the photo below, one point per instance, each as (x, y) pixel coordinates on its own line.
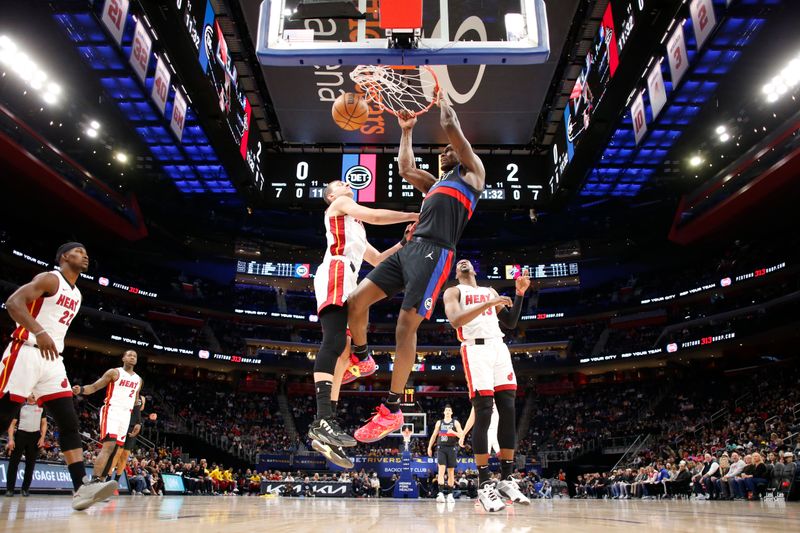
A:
(490, 499)
(509, 489)
(450, 498)
(92, 492)
(440, 498)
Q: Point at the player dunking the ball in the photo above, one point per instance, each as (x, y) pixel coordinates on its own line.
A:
(446, 432)
(476, 313)
(335, 279)
(43, 310)
(122, 391)
(421, 268)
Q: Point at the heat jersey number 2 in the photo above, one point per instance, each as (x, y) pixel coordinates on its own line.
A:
(66, 318)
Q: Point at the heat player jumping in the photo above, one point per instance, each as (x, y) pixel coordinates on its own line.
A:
(335, 279)
(476, 313)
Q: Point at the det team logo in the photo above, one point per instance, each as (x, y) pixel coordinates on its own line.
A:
(203, 354)
(725, 282)
(672, 347)
(302, 270)
(103, 281)
(358, 170)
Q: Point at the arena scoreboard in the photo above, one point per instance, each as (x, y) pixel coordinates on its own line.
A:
(543, 271)
(300, 179)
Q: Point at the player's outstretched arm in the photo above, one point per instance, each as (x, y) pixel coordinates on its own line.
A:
(458, 317)
(510, 317)
(112, 374)
(420, 179)
(374, 257)
(476, 175)
(348, 206)
(44, 284)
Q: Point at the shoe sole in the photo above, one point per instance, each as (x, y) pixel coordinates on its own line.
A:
(379, 437)
(101, 495)
(331, 455)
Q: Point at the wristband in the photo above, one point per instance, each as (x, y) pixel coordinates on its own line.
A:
(520, 293)
(403, 242)
(37, 334)
(81, 390)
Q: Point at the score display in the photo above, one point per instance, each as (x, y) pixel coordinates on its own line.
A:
(543, 271)
(300, 179)
(278, 270)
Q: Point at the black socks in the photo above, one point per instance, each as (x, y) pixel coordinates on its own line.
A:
(393, 402)
(77, 471)
(361, 352)
(324, 408)
(483, 475)
(506, 468)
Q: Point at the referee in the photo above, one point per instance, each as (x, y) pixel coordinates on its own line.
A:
(25, 436)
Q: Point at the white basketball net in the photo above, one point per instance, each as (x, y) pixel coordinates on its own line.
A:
(397, 88)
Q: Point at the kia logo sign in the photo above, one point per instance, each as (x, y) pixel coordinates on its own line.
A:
(672, 347)
(359, 177)
(725, 282)
(103, 282)
(203, 354)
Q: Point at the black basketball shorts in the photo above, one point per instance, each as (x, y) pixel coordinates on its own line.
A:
(446, 456)
(420, 269)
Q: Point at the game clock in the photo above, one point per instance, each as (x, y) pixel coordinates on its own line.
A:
(300, 179)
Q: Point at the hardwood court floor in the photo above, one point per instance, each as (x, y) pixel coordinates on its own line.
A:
(198, 514)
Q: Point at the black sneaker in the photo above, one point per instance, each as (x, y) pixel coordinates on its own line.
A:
(9, 494)
(334, 454)
(26, 493)
(328, 431)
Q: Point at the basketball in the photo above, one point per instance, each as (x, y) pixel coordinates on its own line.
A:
(350, 111)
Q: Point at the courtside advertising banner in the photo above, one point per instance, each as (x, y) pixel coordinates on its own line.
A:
(676, 52)
(161, 84)
(703, 20)
(656, 90)
(114, 14)
(638, 117)
(49, 477)
(140, 51)
(173, 484)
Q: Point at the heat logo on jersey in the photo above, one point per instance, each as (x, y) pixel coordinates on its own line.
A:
(359, 170)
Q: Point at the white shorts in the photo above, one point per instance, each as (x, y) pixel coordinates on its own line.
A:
(23, 371)
(333, 283)
(114, 423)
(488, 368)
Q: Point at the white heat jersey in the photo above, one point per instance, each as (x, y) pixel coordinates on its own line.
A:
(121, 394)
(483, 326)
(346, 238)
(54, 313)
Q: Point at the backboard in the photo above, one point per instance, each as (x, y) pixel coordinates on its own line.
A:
(512, 32)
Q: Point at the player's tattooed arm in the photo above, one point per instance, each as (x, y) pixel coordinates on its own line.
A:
(112, 374)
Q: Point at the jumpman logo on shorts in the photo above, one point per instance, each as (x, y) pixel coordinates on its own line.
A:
(429, 256)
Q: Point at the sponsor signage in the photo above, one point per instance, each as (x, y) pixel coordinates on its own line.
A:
(324, 489)
(49, 477)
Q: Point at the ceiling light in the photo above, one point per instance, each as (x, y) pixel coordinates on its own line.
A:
(50, 98)
(772, 97)
(696, 161)
(121, 157)
(95, 125)
(720, 130)
(54, 88)
(91, 132)
(724, 137)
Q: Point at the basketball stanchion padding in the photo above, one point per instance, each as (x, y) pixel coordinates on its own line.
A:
(400, 14)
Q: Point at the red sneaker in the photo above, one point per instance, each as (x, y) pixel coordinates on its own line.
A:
(358, 369)
(380, 425)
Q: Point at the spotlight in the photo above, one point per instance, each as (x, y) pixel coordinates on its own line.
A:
(95, 125)
(91, 132)
(720, 130)
(54, 88)
(50, 98)
(696, 161)
(121, 157)
(772, 97)
(724, 137)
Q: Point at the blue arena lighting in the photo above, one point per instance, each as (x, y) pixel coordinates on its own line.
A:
(192, 163)
(623, 167)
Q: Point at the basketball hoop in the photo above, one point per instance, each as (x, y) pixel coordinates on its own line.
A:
(398, 88)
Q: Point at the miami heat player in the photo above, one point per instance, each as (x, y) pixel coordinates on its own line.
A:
(476, 313)
(335, 279)
(122, 392)
(43, 310)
